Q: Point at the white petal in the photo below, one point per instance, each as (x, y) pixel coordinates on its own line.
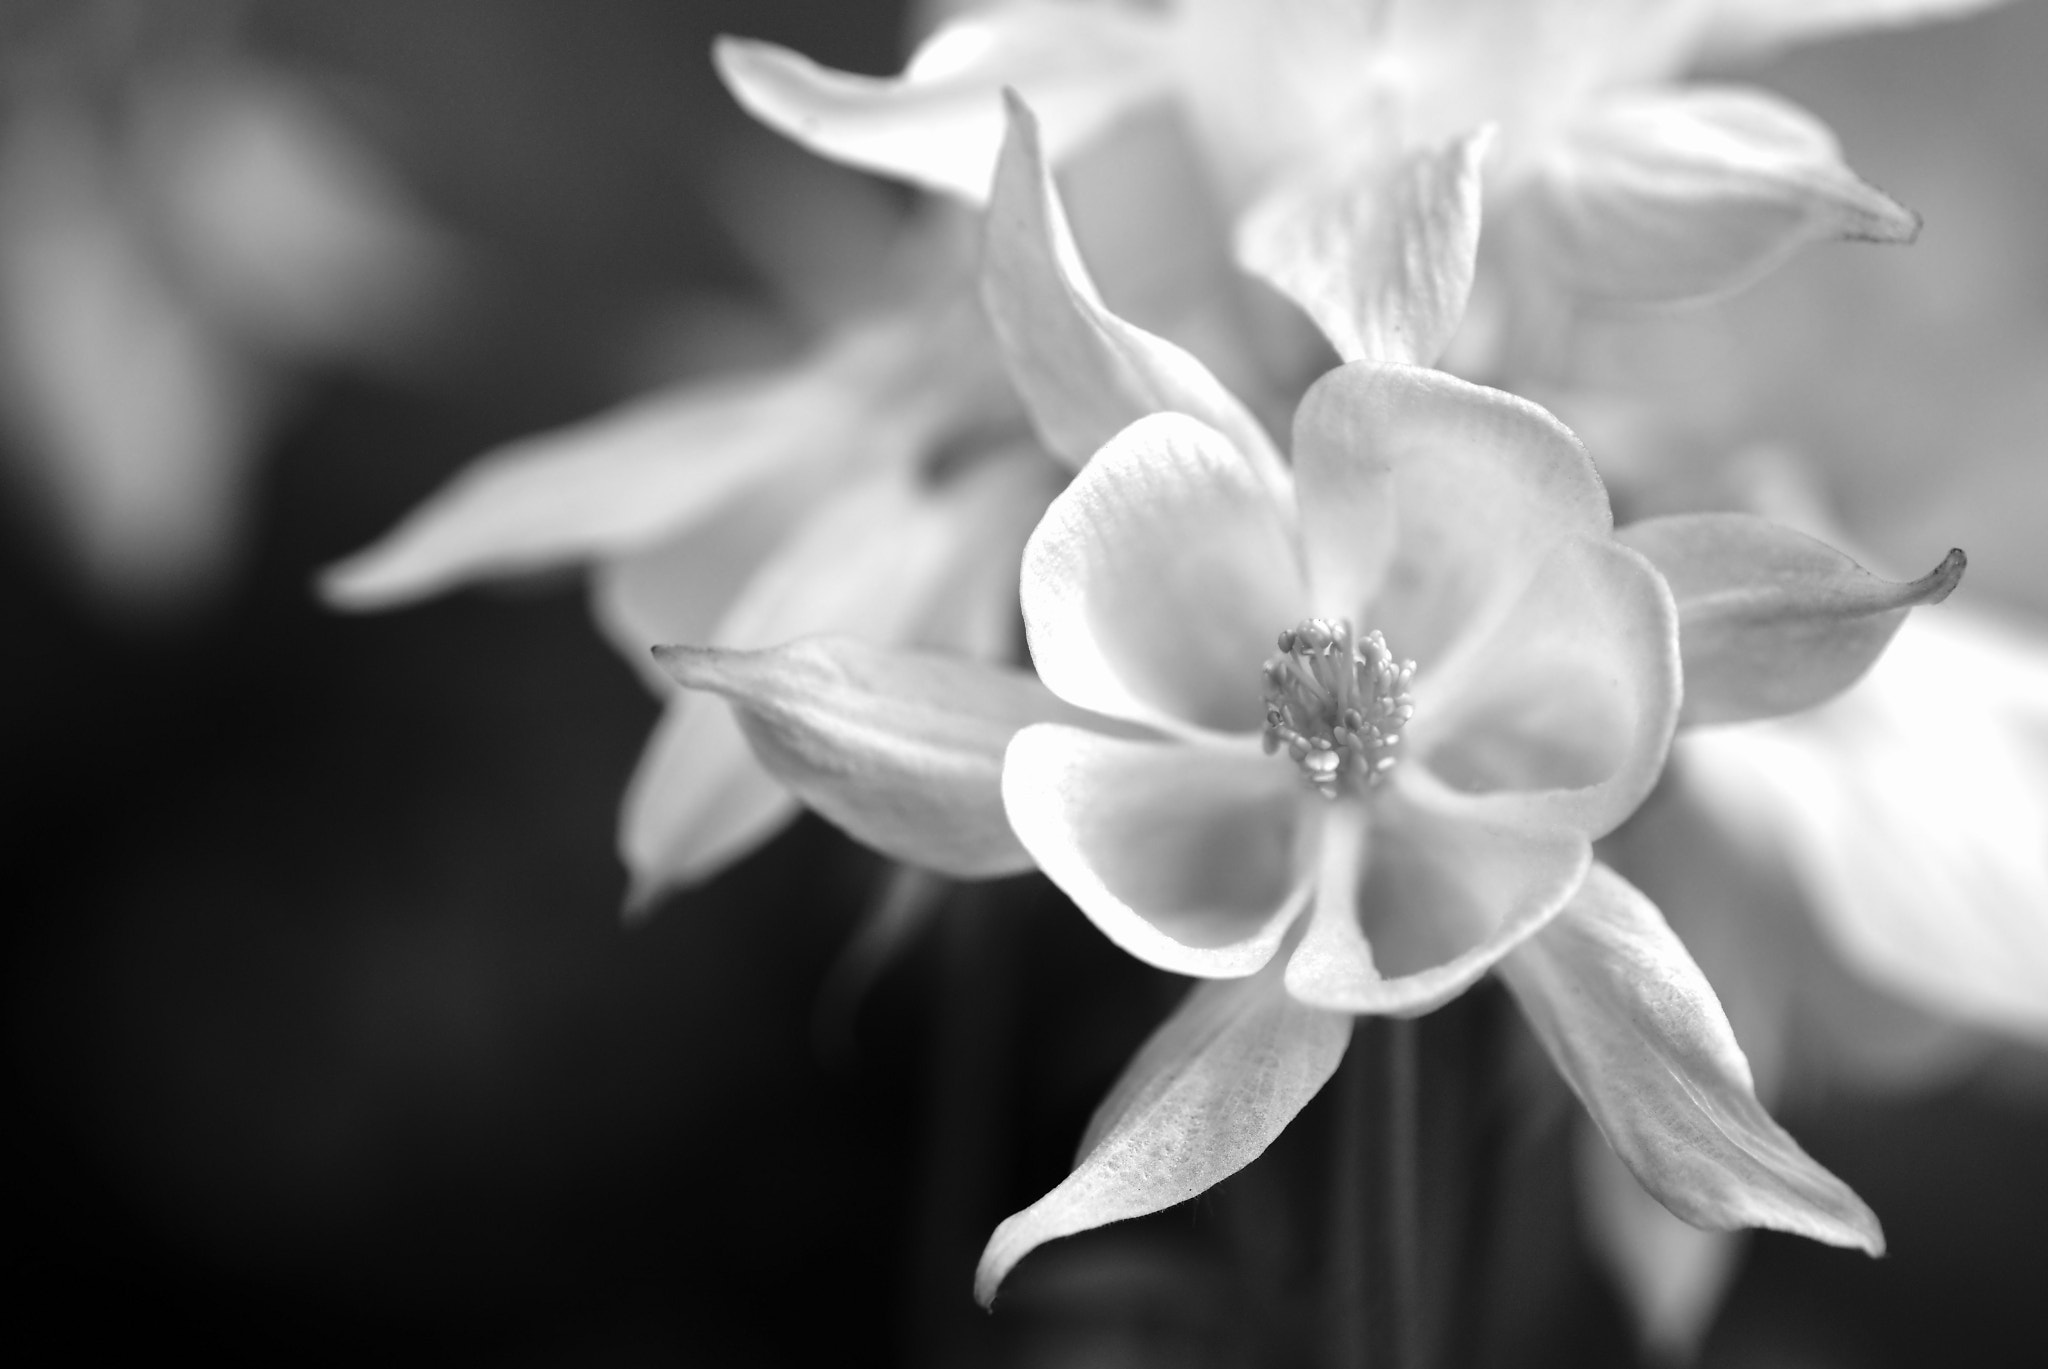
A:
(639, 474)
(1918, 829)
(1085, 374)
(868, 563)
(1381, 256)
(1441, 893)
(1770, 620)
(1672, 1276)
(1658, 196)
(1757, 28)
(1184, 854)
(697, 802)
(1202, 1099)
(1564, 714)
(1159, 579)
(939, 124)
(903, 750)
(1636, 1031)
(1485, 487)
(679, 589)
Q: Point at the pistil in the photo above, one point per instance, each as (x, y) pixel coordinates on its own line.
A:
(1337, 705)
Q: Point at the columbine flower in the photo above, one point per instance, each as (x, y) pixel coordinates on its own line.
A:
(1338, 740)
(1609, 184)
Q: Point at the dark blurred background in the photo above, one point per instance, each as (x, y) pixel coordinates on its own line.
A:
(324, 1039)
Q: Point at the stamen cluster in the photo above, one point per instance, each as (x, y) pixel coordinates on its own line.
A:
(1336, 704)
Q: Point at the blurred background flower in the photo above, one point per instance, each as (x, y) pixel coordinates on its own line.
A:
(323, 1036)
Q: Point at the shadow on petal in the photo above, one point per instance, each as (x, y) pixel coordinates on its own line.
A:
(1184, 855)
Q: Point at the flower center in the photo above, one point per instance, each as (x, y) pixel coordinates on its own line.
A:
(1336, 704)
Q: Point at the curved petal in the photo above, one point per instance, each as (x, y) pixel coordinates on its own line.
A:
(1443, 893)
(1084, 373)
(1201, 1100)
(868, 563)
(1159, 579)
(939, 123)
(902, 750)
(1381, 255)
(1672, 1276)
(627, 479)
(1922, 846)
(1564, 715)
(1635, 1029)
(1344, 488)
(679, 589)
(1183, 854)
(1485, 486)
(1659, 196)
(1757, 28)
(697, 802)
(1770, 620)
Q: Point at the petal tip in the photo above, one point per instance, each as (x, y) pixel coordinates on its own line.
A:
(693, 667)
(364, 583)
(1941, 582)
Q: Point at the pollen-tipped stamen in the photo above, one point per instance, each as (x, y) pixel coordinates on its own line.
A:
(1336, 704)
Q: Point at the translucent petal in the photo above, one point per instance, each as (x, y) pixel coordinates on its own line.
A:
(1380, 255)
(1917, 829)
(1158, 581)
(868, 563)
(630, 478)
(1672, 1276)
(1635, 1029)
(1770, 620)
(1564, 714)
(939, 123)
(1184, 854)
(1084, 373)
(1485, 486)
(902, 750)
(1441, 892)
(1201, 1100)
(679, 589)
(1657, 196)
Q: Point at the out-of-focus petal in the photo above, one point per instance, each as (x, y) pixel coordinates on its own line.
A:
(1757, 28)
(1344, 494)
(1486, 485)
(1636, 1031)
(679, 589)
(1441, 893)
(1672, 1276)
(1770, 620)
(1182, 853)
(903, 750)
(992, 509)
(1085, 374)
(1201, 1100)
(1158, 580)
(290, 226)
(135, 417)
(1565, 715)
(1275, 84)
(867, 563)
(698, 801)
(631, 477)
(1917, 829)
(1656, 196)
(1381, 256)
(939, 123)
